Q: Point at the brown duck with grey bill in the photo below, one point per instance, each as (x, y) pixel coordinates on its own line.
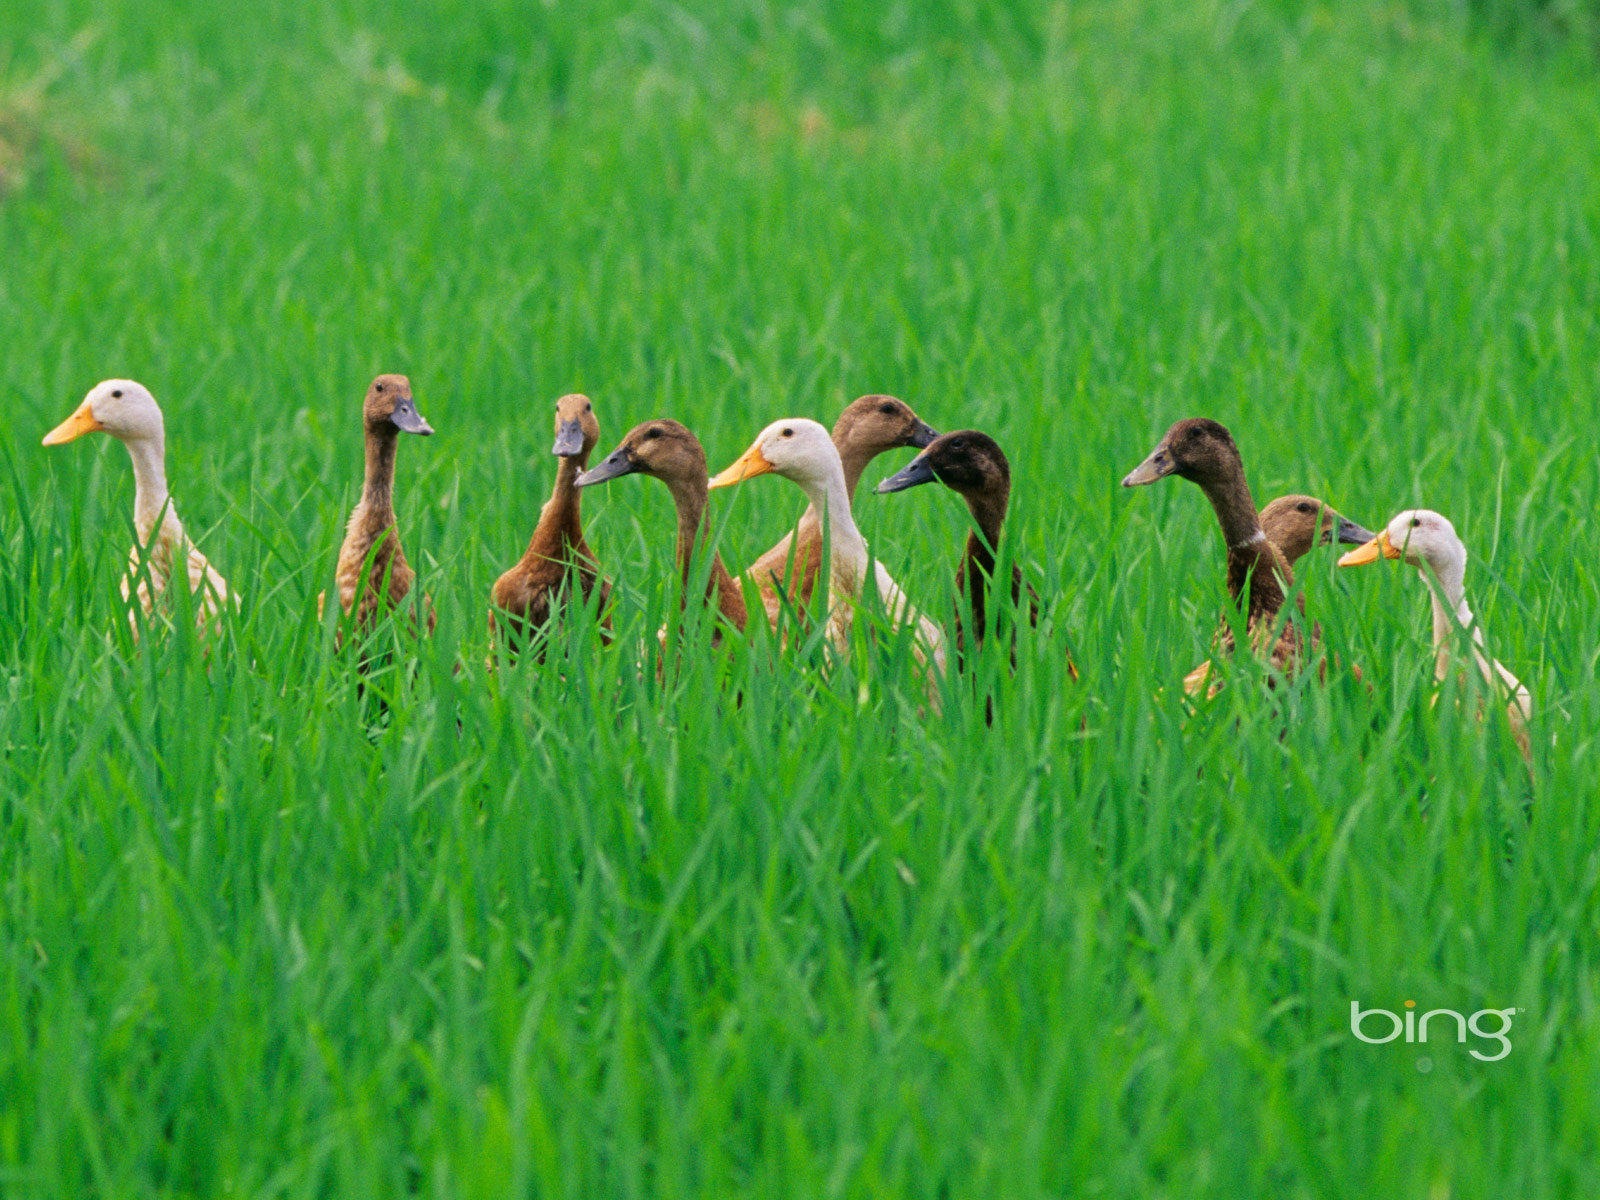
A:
(558, 573)
(373, 575)
(667, 450)
(868, 427)
(1203, 452)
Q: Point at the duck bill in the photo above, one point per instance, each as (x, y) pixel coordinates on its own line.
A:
(1158, 466)
(909, 476)
(408, 420)
(569, 440)
(1372, 551)
(751, 463)
(75, 426)
(1351, 534)
(618, 462)
(922, 436)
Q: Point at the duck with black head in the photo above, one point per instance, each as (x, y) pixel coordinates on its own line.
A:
(372, 574)
(972, 464)
(1203, 452)
(540, 585)
(128, 412)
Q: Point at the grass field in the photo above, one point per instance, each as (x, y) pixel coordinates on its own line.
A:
(764, 928)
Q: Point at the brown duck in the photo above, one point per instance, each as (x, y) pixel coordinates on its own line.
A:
(972, 464)
(869, 426)
(1259, 574)
(1294, 524)
(667, 450)
(373, 575)
(527, 594)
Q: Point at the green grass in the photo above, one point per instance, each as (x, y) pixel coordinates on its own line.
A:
(760, 927)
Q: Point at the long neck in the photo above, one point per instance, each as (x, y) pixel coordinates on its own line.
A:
(854, 459)
(689, 498)
(377, 492)
(1447, 594)
(830, 500)
(988, 508)
(563, 507)
(1236, 511)
(151, 501)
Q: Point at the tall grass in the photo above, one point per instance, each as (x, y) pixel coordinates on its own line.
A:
(761, 922)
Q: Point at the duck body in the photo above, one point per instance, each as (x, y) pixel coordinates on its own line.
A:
(1428, 541)
(128, 412)
(868, 427)
(558, 557)
(801, 451)
(1258, 573)
(667, 450)
(373, 576)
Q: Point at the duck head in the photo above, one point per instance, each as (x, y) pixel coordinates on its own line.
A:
(577, 431)
(663, 448)
(873, 424)
(1197, 449)
(124, 409)
(965, 461)
(796, 448)
(1296, 523)
(389, 406)
(1420, 536)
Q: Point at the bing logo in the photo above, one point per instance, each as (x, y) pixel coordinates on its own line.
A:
(1488, 1024)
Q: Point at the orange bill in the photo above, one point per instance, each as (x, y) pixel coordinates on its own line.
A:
(75, 426)
(751, 463)
(1379, 546)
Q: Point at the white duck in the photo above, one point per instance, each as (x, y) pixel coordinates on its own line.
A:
(1428, 542)
(801, 450)
(128, 412)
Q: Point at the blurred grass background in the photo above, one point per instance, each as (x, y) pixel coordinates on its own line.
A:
(577, 932)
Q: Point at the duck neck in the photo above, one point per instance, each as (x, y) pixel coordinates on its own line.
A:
(689, 497)
(853, 459)
(377, 491)
(564, 505)
(1236, 511)
(152, 503)
(1447, 592)
(830, 500)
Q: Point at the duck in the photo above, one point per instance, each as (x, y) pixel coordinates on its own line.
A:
(372, 574)
(869, 426)
(802, 451)
(972, 464)
(128, 412)
(667, 450)
(1203, 451)
(1429, 542)
(1294, 524)
(525, 596)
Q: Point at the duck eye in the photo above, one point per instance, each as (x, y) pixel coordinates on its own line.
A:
(788, 433)
(1305, 508)
(1415, 521)
(117, 395)
(651, 434)
(886, 408)
(588, 408)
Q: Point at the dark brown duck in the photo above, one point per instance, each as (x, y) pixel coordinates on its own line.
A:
(1259, 575)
